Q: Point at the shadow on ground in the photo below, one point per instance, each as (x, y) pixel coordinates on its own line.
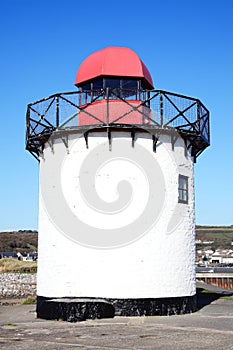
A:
(206, 294)
(205, 297)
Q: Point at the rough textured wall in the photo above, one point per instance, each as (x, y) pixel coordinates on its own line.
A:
(159, 263)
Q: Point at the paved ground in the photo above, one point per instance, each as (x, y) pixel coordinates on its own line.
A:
(209, 328)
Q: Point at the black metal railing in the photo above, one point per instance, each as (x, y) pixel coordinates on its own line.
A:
(149, 109)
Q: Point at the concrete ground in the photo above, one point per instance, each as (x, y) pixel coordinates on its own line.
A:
(209, 328)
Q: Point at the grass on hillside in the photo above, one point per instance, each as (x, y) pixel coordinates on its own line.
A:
(21, 241)
(14, 265)
(221, 237)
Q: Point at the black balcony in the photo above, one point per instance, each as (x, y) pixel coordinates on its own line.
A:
(155, 111)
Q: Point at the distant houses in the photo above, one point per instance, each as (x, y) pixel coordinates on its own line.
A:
(27, 256)
(222, 256)
(19, 256)
(11, 255)
(211, 257)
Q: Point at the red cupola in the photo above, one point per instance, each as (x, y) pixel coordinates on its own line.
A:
(114, 62)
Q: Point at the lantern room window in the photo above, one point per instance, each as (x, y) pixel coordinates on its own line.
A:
(118, 88)
(183, 189)
(113, 83)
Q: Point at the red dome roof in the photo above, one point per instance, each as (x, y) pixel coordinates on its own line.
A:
(113, 61)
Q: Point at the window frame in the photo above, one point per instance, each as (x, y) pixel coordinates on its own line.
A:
(183, 193)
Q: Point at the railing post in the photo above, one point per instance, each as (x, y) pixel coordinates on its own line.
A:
(198, 117)
(27, 124)
(57, 111)
(146, 96)
(161, 108)
(107, 106)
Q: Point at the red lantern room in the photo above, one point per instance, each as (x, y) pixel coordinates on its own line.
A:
(122, 75)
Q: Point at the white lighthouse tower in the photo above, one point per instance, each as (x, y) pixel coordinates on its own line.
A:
(116, 208)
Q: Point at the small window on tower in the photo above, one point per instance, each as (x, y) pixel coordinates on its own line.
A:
(183, 189)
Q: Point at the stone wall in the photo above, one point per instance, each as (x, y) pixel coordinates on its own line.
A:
(17, 285)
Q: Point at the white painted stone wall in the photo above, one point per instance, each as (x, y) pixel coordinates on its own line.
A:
(159, 264)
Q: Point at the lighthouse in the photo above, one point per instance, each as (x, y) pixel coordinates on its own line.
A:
(116, 203)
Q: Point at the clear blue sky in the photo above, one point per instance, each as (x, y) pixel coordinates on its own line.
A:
(187, 46)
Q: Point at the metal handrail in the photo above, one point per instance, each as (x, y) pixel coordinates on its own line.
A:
(163, 110)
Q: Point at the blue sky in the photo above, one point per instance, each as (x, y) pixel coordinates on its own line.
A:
(186, 45)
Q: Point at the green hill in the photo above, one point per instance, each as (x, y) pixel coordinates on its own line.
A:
(19, 241)
(222, 236)
(27, 240)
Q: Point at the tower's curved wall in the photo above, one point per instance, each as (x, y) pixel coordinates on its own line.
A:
(152, 258)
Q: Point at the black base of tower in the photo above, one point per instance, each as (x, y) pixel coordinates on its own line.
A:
(80, 309)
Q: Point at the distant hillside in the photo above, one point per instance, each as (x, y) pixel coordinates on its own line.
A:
(222, 236)
(27, 240)
(19, 241)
